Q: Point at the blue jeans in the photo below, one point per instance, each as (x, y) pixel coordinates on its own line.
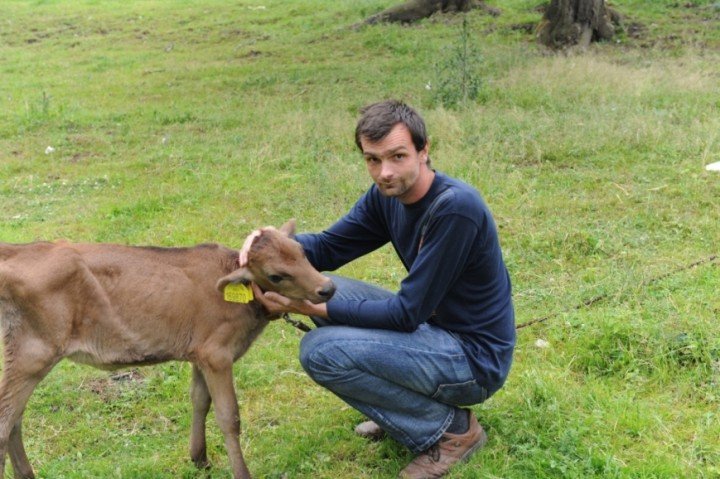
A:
(408, 383)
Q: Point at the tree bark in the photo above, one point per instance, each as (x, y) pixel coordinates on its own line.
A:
(576, 22)
(414, 10)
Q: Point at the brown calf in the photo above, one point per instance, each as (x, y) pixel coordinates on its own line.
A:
(112, 306)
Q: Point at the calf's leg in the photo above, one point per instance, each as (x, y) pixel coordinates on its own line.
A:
(19, 459)
(25, 366)
(218, 378)
(201, 405)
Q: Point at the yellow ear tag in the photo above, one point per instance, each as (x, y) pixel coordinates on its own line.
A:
(238, 293)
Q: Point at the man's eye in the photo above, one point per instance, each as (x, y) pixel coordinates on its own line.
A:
(275, 278)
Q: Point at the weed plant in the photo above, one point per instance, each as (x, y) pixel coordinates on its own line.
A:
(458, 75)
(175, 123)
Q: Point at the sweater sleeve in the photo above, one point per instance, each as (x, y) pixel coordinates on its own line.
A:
(438, 265)
(357, 233)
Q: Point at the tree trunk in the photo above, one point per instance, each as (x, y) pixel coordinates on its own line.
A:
(576, 22)
(414, 10)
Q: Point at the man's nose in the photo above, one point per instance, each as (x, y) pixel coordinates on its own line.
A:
(387, 170)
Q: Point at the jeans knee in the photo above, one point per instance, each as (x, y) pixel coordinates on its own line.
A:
(320, 357)
(308, 349)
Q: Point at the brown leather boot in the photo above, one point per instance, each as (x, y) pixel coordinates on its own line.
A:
(448, 451)
(369, 430)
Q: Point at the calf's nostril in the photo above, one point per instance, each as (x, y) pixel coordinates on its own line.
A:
(327, 291)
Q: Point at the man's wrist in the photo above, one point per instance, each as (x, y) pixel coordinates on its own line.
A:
(318, 310)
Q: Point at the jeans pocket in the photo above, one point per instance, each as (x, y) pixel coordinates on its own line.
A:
(461, 394)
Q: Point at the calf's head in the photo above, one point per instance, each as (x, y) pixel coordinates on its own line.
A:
(276, 262)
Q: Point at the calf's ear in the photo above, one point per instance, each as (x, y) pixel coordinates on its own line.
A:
(289, 228)
(242, 275)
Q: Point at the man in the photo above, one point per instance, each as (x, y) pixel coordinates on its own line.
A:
(410, 360)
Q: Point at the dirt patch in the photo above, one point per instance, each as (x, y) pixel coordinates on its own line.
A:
(109, 388)
(636, 30)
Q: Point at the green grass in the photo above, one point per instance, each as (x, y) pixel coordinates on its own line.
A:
(175, 123)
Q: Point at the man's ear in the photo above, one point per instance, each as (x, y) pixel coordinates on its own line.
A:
(289, 228)
(242, 275)
(425, 152)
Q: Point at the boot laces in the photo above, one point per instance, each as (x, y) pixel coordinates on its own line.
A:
(433, 452)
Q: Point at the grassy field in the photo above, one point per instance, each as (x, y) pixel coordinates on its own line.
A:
(174, 123)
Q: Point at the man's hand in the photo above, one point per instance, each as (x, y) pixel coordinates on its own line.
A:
(243, 259)
(277, 304)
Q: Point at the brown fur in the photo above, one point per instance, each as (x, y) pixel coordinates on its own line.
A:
(111, 306)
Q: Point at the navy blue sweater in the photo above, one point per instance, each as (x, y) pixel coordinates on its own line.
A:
(456, 280)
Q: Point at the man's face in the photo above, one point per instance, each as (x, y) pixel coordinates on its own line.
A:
(395, 165)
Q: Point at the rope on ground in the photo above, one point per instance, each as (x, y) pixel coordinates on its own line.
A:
(297, 323)
(710, 259)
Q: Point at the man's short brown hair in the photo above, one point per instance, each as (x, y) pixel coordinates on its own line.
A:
(379, 118)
